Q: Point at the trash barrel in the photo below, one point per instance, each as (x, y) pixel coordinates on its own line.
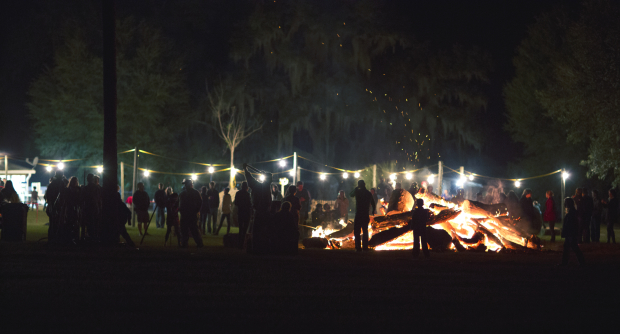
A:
(14, 218)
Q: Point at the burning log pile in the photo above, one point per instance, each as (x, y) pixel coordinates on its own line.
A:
(469, 226)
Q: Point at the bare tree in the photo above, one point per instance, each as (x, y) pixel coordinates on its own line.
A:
(233, 117)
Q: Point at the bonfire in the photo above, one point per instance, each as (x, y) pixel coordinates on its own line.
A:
(470, 225)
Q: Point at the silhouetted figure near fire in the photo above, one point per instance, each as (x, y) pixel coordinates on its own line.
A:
(419, 217)
(261, 200)
(549, 215)
(189, 206)
(286, 231)
(570, 232)
(243, 202)
(363, 201)
(528, 218)
(294, 200)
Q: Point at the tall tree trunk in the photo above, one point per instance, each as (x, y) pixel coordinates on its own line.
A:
(108, 232)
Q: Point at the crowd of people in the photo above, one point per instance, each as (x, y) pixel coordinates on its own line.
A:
(75, 212)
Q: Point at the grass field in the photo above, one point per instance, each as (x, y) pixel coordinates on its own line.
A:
(176, 290)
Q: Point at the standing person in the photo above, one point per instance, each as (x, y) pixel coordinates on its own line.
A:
(213, 196)
(304, 199)
(261, 202)
(342, 205)
(579, 206)
(92, 204)
(275, 193)
(588, 208)
(528, 217)
(189, 206)
(595, 221)
(363, 200)
(294, 200)
(570, 232)
(446, 195)
(413, 189)
(285, 231)
(9, 194)
(172, 220)
(612, 215)
(373, 192)
(69, 204)
(141, 202)
(124, 216)
(51, 194)
(226, 203)
(34, 198)
(243, 202)
(160, 203)
(419, 217)
(549, 215)
(204, 210)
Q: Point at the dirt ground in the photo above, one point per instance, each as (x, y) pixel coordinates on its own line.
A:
(156, 289)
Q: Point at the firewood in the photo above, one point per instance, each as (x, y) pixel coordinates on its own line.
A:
(387, 235)
(314, 243)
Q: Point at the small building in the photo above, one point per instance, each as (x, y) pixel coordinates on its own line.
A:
(19, 173)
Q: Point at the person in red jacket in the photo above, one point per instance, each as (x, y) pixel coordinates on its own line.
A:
(549, 215)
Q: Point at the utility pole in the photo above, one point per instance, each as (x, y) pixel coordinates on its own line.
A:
(6, 167)
(440, 179)
(133, 186)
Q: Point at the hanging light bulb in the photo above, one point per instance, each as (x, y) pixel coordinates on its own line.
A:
(322, 176)
(211, 170)
(393, 177)
(565, 175)
(147, 173)
(100, 169)
(409, 176)
(194, 177)
(291, 172)
(61, 165)
(357, 174)
(48, 168)
(517, 183)
(345, 175)
(430, 179)
(471, 177)
(261, 178)
(282, 163)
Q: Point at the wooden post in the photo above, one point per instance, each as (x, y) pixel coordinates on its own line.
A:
(122, 180)
(294, 168)
(440, 179)
(374, 176)
(562, 193)
(6, 168)
(108, 229)
(133, 185)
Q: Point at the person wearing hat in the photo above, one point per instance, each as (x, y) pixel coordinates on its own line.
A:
(189, 206)
(51, 194)
(363, 201)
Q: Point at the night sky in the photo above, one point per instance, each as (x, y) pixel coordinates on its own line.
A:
(496, 27)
